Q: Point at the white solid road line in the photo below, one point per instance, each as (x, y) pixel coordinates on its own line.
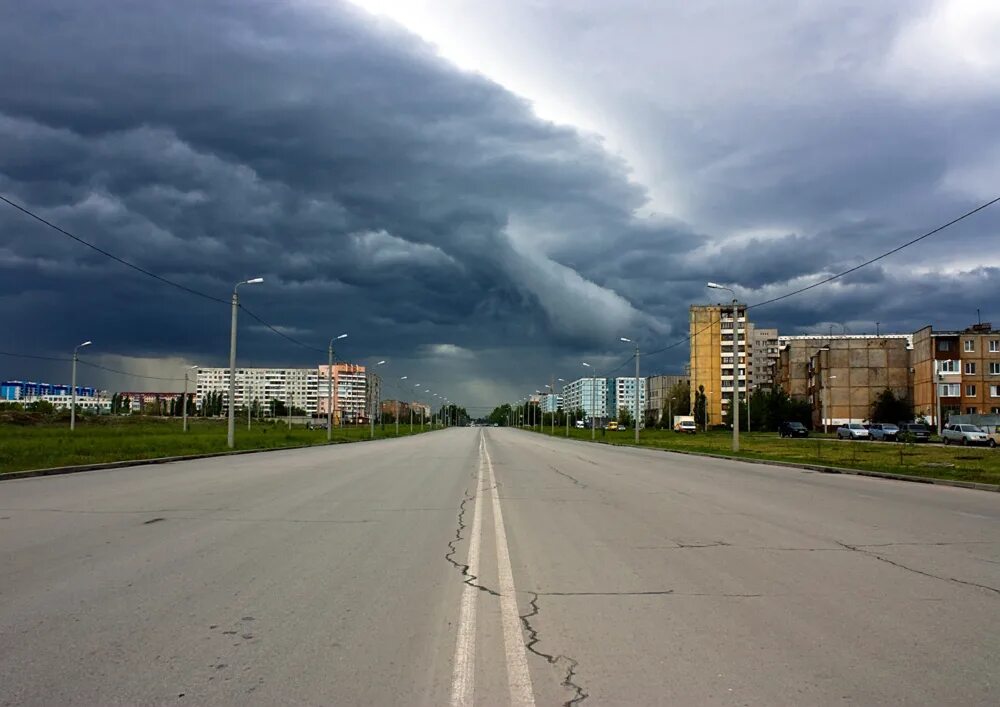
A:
(463, 681)
(518, 677)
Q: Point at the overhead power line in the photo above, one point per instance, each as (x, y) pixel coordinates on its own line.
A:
(149, 273)
(35, 356)
(839, 275)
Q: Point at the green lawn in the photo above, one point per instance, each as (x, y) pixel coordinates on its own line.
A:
(966, 464)
(46, 445)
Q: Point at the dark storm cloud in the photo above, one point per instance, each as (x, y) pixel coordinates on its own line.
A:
(382, 192)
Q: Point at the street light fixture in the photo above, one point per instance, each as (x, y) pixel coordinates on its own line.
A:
(593, 402)
(736, 365)
(629, 341)
(374, 408)
(329, 388)
(231, 433)
(184, 401)
(72, 385)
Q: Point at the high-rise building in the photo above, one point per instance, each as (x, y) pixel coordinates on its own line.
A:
(587, 394)
(715, 362)
(350, 392)
(624, 395)
(763, 356)
(967, 367)
(550, 402)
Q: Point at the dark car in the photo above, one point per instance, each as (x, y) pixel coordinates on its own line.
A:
(792, 429)
(915, 431)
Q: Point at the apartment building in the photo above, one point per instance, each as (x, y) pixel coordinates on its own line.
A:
(550, 402)
(297, 387)
(965, 365)
(763, 344)
(351, 390)
(841, 376)
(658, 393)
(143, 400)
(19, 390)
(624, 395)
(588, 394)
(715, 361)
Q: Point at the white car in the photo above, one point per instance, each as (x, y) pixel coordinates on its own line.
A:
(964, 434)
(580, 424)
(686, 427)
(853, 430)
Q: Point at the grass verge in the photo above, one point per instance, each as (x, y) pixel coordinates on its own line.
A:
(49, 445)
(976, 464)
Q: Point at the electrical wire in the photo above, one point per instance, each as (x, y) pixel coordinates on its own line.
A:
(35, 356)
(839, 275)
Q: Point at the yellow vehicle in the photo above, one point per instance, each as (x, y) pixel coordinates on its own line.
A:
(612, 425)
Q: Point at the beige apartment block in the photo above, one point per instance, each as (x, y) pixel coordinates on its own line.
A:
(841, 376)
(714, 330)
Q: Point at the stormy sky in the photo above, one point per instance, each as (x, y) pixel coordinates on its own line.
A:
(485, 194)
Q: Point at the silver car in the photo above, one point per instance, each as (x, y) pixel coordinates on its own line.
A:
(964, 434)
(884, 431)
(852, 430)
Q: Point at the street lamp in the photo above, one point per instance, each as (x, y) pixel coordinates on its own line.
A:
(72, 386)
(403, 378)
(736, 365)
(329, 388)
(562, 393)
(593, 402)
(231, 434)
(184, 402)
(629, 341)
(374, 408)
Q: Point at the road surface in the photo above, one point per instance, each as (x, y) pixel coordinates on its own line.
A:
(495, 567)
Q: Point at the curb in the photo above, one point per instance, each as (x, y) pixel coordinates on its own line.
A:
(57, 470)
(816, 467)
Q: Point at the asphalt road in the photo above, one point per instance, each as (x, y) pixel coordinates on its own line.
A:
(495, 567)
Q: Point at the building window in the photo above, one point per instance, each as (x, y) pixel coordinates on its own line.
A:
(995, 368)
(995, 391)
(970, 367)
(947, 367)
(994, 345)
(949, 390)
(970, 391)
(970, 345)
(944, 345)
(995, 411)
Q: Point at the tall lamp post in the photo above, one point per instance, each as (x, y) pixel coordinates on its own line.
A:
(399, 388)
(562, 394)
(329, 387)
(231, 433)
(72, 385)
(593, 401)
(736, 365)
(184, 400)
(374, 408)
(629, 341)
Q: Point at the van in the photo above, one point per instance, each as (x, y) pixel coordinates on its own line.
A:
(613, 425)
(581, 425)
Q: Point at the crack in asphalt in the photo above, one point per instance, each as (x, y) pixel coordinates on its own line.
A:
(571, 478)
(569, 680)
(859, 549)
(469, 578)
(660, 592)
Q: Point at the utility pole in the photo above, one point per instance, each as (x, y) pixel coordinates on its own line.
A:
(232, 360)
(637, 418)
(72, 386)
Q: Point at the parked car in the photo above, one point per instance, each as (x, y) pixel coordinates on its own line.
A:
(613, 425)
(964, 434)
(852, 430)
(993, 432)
(580, 425)
(916, 431)
(316, 425)
(686, 427)
(883, 431)
(792, 429)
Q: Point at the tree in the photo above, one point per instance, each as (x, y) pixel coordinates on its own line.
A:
(888, 408)
(701, 407)
(681, 395)
(624, 417)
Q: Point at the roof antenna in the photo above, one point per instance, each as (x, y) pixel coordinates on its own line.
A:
(876, 328)
(979, 317)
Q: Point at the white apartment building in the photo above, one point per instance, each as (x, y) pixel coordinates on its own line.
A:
(90, 403)
(551, 402)
(350, 392)
(625, 395)
(298, 387)
(588, 394)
